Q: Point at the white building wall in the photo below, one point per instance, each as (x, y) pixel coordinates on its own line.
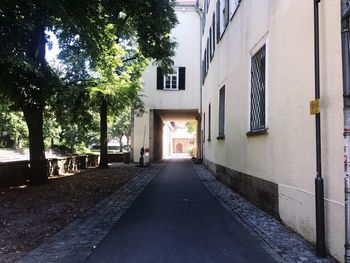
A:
(187, 35)
(286, 155)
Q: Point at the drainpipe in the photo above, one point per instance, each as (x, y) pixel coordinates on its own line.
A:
(319, 189)
(345, 11)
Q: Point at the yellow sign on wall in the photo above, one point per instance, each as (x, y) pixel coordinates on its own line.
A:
(315, 107)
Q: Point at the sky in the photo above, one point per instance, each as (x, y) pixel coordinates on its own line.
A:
(51, 54)
(186, 2)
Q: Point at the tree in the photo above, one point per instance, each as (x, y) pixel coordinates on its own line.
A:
(121, 126)
(28, 81)
(118, 87)
(191, 127)
(13, 129)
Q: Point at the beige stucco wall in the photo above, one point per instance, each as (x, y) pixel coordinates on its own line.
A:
(286, 155)
(187, 35)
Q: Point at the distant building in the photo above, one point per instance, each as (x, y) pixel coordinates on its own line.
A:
(171, 97)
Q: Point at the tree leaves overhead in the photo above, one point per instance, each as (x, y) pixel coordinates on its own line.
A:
(81, 28)
(100, 40)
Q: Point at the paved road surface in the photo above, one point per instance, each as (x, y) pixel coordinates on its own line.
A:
(176, 219)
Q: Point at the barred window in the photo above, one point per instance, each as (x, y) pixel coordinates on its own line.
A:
(222, 113)
(257, 97)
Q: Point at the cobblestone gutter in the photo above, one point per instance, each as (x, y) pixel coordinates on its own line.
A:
(289, 245)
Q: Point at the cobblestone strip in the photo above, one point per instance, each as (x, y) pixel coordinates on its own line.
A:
(286, 243)
(76, 241)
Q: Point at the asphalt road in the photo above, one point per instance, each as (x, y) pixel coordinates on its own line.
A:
(176, 219)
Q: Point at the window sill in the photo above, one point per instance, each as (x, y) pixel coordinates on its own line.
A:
(221, 137)
(257, 132)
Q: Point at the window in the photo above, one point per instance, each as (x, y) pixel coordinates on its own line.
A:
(209, 122)
(205, 64)
(257, 96)
(203, 70)
(222, 113)
(213, 38)
(203, 127)
(226, 12)
(218, 21)
(172, 81)
(222, 14)
(208, 54)
(233, 5)
(211, 44)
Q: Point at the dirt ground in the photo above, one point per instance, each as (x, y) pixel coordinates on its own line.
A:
(31, 214)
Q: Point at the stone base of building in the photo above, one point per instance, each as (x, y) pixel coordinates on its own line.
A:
(260, 192)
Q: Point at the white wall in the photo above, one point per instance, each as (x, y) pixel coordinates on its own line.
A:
(286, 155)
(187, 35)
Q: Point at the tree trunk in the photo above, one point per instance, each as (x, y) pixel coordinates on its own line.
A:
(120, 144)
(38, 165)
(103, 135)
(19, 142)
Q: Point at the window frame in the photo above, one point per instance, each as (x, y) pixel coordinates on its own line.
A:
(233, 6)
(213, 25)
(263, 43)
(204, 127)
(171, 75)
(211, 43)
(209, 122)
(221, 113)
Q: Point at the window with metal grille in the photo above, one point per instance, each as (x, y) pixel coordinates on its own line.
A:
(258, 89)
(222, 113)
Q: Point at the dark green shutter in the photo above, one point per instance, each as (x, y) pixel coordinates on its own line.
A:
(160, 78)
(182, 78)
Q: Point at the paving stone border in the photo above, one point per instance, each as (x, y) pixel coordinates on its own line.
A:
(286, 243)
(76, 241)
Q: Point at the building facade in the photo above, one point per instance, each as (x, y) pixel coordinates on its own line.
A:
(257, 132)
(171, 97)
(245, 71)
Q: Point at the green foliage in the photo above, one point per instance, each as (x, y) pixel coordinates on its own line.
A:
(51, 127)
(104, 45)
(191, 127)
(121, 125)
(13, 129)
